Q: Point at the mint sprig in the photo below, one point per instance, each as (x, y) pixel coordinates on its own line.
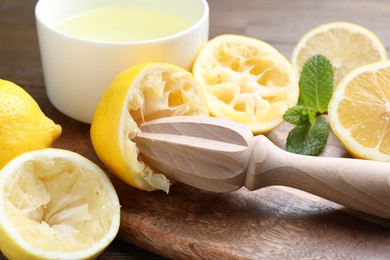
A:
(315, 91)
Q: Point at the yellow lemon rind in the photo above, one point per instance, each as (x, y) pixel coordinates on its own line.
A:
(23, 125)
(112, 116)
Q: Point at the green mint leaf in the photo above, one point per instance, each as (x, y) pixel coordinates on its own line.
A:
(315, 91)
(297, 115)
(316, 83)
(309, 139)
(312, 115)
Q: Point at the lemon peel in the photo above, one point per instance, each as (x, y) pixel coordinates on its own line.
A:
(23, 125)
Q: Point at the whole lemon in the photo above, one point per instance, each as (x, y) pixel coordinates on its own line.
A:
(23, 125)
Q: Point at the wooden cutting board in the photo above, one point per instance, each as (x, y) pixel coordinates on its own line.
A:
(271, 223)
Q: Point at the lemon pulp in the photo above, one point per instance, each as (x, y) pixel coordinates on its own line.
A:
(347, 45)
(246, 80)
(56, 204)
(141, 93)
(359, 112)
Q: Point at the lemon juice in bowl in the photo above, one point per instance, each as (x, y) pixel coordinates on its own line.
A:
(85, 44)
(124, 24)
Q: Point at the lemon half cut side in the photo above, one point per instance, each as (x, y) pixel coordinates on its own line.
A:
(347, 45)
(141, 93)
(359, 112)
(246, 80)
(56, 204)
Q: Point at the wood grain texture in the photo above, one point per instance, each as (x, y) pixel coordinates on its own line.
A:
(273, 223)
(221, 156)
(358, 184)
(207, 153)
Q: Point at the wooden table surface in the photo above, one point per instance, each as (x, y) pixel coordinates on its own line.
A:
(278, 22)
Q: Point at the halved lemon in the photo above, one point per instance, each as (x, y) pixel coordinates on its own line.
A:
(141, 93)
(359, 112)
(246, 80)
(56, 204)
(346, 45)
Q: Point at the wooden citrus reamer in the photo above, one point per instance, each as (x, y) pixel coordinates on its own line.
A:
(222, 156)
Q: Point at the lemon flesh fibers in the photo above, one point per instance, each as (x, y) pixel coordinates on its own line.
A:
(141, 93)
(359, 112)
(347, 45)
(246, 80)
(23, 125)
(55, 204)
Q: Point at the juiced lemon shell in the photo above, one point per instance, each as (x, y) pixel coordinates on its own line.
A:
(141, 93)
(56, 204)
(246, 80)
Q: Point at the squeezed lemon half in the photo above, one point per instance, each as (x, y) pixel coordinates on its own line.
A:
(141, 93)
(246, 80)
(56, 204)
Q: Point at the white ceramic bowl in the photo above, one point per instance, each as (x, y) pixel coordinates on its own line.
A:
(78, 70)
